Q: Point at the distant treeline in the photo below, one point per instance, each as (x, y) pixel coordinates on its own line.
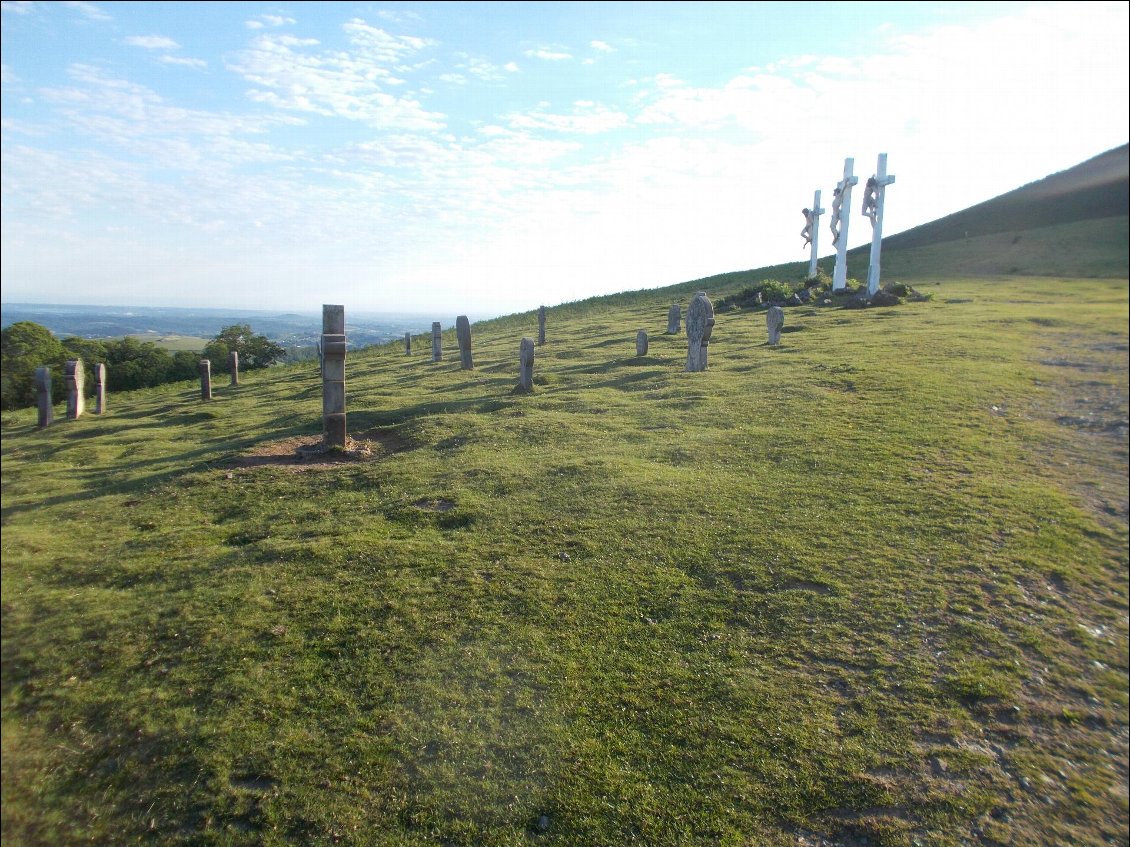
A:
(129, 363)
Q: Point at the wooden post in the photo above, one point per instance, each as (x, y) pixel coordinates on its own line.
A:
(816, 213)
(881, 183)
(841, 215)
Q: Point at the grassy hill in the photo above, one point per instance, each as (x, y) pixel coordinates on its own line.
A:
(866, 588)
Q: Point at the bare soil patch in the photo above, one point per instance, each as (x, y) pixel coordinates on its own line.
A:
(306, 452)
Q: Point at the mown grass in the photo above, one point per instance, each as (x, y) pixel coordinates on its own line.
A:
(869, 585)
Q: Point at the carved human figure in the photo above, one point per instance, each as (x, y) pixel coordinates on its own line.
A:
(806, 233)
(837, 211)
(871, 199)
(526, 365)
(700, 324)
(463, 333)
(774, 320)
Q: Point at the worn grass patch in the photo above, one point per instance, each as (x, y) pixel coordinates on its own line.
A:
(869, 585)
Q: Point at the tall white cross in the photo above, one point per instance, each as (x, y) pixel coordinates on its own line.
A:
(816, 213)
(881, 183)
(841, 216)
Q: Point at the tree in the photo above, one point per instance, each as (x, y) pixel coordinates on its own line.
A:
(25, 346)
(255, 351)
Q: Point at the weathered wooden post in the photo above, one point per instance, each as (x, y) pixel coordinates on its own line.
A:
(526, 365)
(541, 326)
(75, 375)
(641, 343)
(873, 208)
(100, 389)
(437, 341)
(333, 375)
(674, 319)
(700, 324)
(43, 397)
(233, 366)
(205, 368)
(407, 344)
(463, 333)
(841, 198)
(775, 319)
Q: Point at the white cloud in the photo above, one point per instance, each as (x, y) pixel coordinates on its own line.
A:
(602, 47)
(151, 42)
(549, 54)
(511, 67)
(188, 63)
(587, 118)
(89, 10)
(17, 7)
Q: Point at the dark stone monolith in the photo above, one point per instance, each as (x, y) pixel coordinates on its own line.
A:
(700, 324)
(205, 368)
(541, 325)
(407, 344)
(75, 376)
(437, 341)
(641, 343)
(43, 396)
(463, 333)
(526, 365)
(333, 376)
(674, 318)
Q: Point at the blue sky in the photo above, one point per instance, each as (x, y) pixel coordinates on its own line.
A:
(491, 157)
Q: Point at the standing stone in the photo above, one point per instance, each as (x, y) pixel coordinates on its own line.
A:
(75, 376)
(526, 365)
(541, 326)
(321, 361)
(205, 368)
(775, 319)
(333, 376)
(100, 389)
(437, 341)
(641, 343)
(233, 366)
(463, 333)
(700, 324)
(407, 344)
(674, 318)
(43, 396)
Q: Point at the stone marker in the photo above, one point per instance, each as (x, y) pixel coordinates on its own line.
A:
(526, 365)
(437, 341)
(700, 324)
(43, 396)
(100, 389)
(407, 344)
(873, 208)
(641, 343)
(75, 376)
(233, 366)
(463, 333)
(541, 326)
(205, 368)
(775, 319)
(674, 318)
(333, 376)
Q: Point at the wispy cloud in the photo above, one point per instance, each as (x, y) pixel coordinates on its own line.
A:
(17, 7)
(586, 118)
(89, 10)
(264, 21)
(151, 42)
(602, 47)
(186, 62)
(549, 54)
(351, 85)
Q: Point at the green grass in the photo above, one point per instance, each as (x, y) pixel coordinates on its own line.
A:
(871, 584)
(173, 343)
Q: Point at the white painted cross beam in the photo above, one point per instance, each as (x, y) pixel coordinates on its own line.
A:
(814, 233)
(841, 199)
(873, 208)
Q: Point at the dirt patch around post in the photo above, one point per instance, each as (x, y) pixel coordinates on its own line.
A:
(307, 452)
